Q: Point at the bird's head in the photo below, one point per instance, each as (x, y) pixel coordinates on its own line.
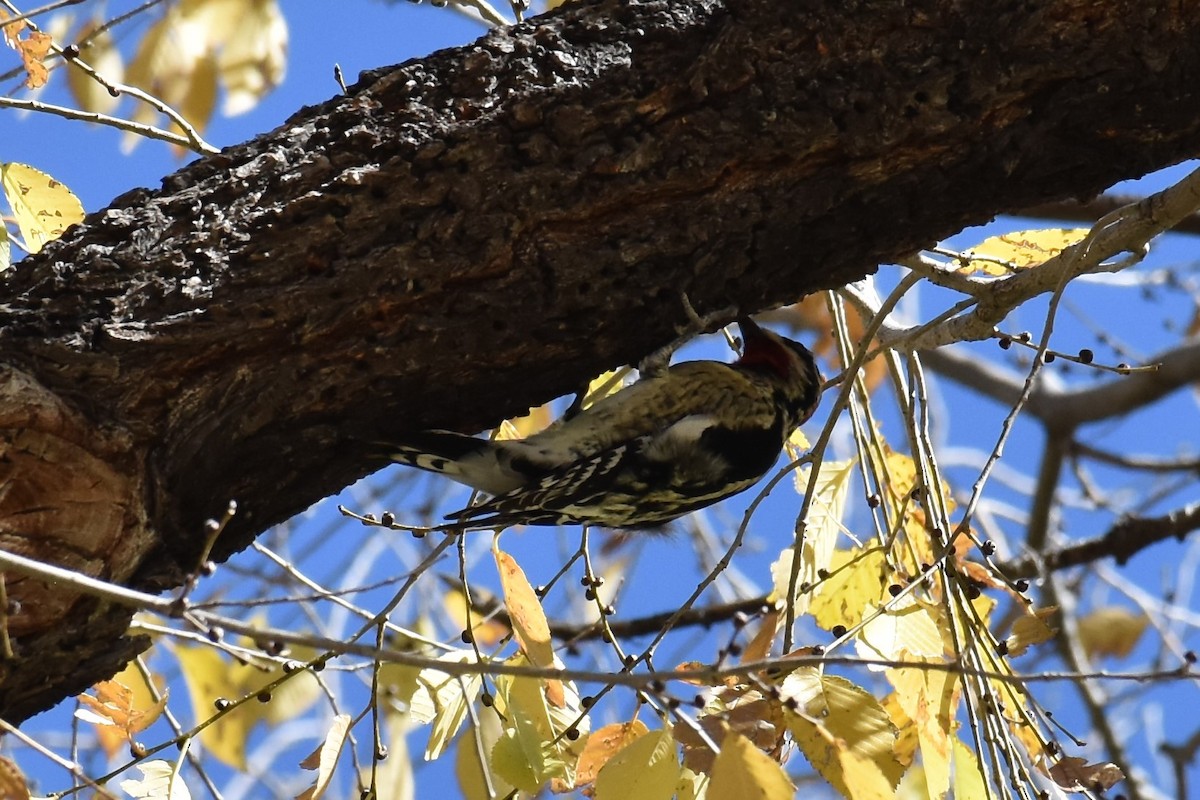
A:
(785, 361)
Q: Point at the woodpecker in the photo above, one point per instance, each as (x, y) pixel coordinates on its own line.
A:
(696, 433)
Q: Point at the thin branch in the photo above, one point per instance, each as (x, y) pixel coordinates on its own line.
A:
(1097, 207)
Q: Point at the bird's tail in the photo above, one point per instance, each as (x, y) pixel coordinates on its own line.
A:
(443, 452)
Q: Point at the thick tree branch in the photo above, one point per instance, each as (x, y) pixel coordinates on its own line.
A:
(464, 236)
(1122, 542)
(1063, 409)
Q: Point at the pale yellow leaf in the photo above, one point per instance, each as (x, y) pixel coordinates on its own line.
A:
(969, 782)
(324, 759)
(158, 782)
(536, 421)
(43, 207)
(442, 698)
(602, 745)
(516, 765)
(912, 785)
(857, 723)
(1112, 631)
(906, 630)
(742, 771)
(1030, 629)
(824, 523)
(691, 785)
(5, 249)
(253, 58)
(645, 769)
(855, 582)
(1001, 255)
(930, 698)
(531, 725)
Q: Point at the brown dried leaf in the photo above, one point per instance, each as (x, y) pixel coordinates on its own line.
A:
(12, 781)
(602, 745)
(1076, 775)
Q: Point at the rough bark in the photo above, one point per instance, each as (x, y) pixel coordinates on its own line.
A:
(466, 235)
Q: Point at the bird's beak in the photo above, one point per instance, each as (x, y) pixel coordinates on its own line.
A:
(749, 329)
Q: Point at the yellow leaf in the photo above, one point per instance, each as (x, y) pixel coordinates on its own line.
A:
(211, 676)
(324, 759)
(529, 758)
(474, 755)
(645, 769)
(200, 98)
(969, 782)
(906, 630)
(854, 776)
(1112, 631)
(602, 745)
(930, 698)
(856, 723)
(537, 420)
(603, 385)
(743, 771)
(43, 207)
(907, 741)
(855, 582)
(198, 44)
(1030, 629)
(797, 444)
(1001, 255)
(527, 617)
